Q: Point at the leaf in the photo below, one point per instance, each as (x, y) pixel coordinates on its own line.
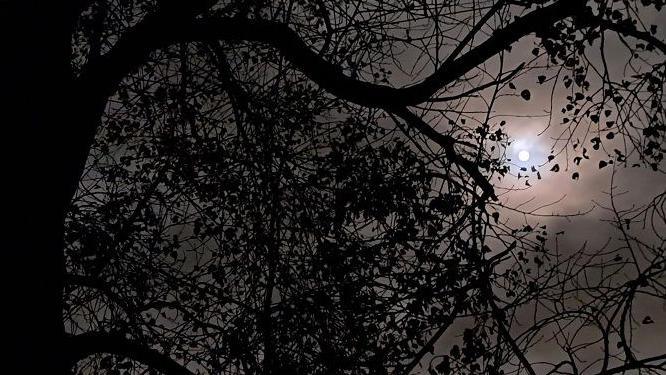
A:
(575, 176)
(648, 320)
(541, 79)
(495, 216)
(555, 168)
(455, 351)
(444, 366)
(602, 164)
(525, 94)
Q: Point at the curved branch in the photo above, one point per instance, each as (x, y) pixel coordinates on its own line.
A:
(87, 344)
(160, 30)
(630, 30)
(626, 28)
(637, 364)
(448, 144)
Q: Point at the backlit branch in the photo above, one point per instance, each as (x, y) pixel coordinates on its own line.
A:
(161, 30)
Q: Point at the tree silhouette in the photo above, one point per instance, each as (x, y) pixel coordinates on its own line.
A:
(310, 187)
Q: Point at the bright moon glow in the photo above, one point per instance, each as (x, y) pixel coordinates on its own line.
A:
(524, 155)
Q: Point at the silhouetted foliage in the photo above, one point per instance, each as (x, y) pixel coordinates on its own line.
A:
(311, 187)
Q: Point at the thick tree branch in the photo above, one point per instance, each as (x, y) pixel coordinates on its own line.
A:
(100, 79)
(102, 76)
(448, 144)
(163, 29)
(624, 27)
(630, 30)
(87, 344)
(647, 363)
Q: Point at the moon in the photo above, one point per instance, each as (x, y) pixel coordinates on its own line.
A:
(524, 155)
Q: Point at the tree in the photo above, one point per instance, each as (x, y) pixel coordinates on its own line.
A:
(268, 187)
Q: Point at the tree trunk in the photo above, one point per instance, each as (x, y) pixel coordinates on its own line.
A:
(42, 167)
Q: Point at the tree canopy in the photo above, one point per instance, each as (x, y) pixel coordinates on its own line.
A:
(318, 187)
